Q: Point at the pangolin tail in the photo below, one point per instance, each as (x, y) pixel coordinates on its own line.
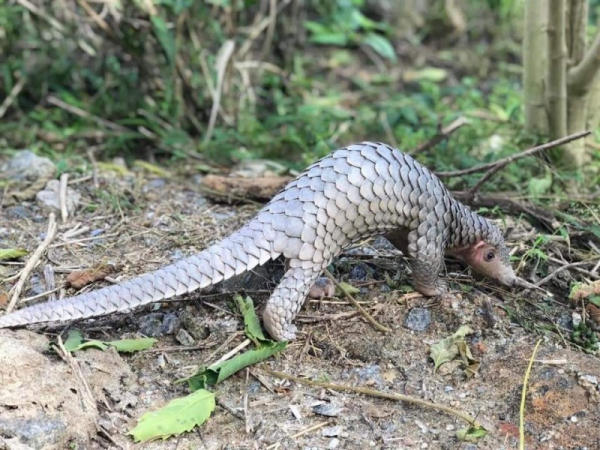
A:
(239, 252)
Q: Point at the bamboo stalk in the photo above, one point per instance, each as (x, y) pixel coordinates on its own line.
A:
(534, 64)
(557, 70)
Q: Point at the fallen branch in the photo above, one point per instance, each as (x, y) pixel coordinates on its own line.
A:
(442, 135)
(372, 392)
(495, 166)
(18, 288)
(490, 200)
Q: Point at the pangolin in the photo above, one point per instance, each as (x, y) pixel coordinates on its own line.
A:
(359, 191)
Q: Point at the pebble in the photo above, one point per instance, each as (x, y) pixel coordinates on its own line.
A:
(49, 197)
(184, 338)
(331, 431)
(27, 166)
(359, 272)
(334, 443)
(327, 409)
(170, 323)
(151, 325)
(370, 374)
(153, 185)
(418, 319)
(590, 379)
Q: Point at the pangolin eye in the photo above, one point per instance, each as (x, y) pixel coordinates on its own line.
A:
(490, 255)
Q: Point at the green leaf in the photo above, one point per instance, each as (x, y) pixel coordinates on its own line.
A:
(447, 349)
(223, 370)
(434, 74)
(595, 300)
(380, 45)
(164, 36)
(12, 253)
(178, 416)
(539, 186)
(132, 345)
(75, 341)
(471, 434)
(152, 168)
(348, 287)
(251, 323)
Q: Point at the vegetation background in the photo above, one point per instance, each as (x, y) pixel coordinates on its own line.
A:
(218, 81)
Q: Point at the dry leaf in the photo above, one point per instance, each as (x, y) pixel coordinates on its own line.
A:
(3, 299)
(81, 278)
(581, 291)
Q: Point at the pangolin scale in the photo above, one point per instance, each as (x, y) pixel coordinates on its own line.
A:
(358, 191)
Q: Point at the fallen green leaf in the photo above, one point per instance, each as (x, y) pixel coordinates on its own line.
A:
(219, 372)
(251, 323)
(132, 345)
(595, 300)
(75, 341)
(471, 434)
(152, 168)
(348, 287)
(12, 253)
(447, 349)
(178, 416)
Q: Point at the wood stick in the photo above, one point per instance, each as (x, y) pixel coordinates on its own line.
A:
(18, 288)
(497, 165)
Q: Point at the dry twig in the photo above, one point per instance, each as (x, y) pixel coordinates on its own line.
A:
(225, 54)
(442, 135)
(495, 166)
(32, 262)
(372, 392)
(62, 197)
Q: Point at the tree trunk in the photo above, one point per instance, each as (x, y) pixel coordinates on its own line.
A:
(556, 80)
(534, 65)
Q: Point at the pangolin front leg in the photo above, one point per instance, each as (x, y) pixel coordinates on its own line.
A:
(288, 297)
(426, 258)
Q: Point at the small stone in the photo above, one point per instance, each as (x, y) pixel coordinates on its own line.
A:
(334, 443)
(590, 379)
(49, 197)
(449, 427)
(27, 166)
(448, 389)
(184, 338)
(418, 319)
(154, 185)
(574, 419)
(18, 212)
(359, 272)
(576, 318)
(381, 243)
(327, 409)
(170, 324)
(331, 431)
(151, 325)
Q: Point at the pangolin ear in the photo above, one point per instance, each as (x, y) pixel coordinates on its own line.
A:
(478, 245)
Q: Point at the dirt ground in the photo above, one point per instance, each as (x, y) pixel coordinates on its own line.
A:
(139, 223)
